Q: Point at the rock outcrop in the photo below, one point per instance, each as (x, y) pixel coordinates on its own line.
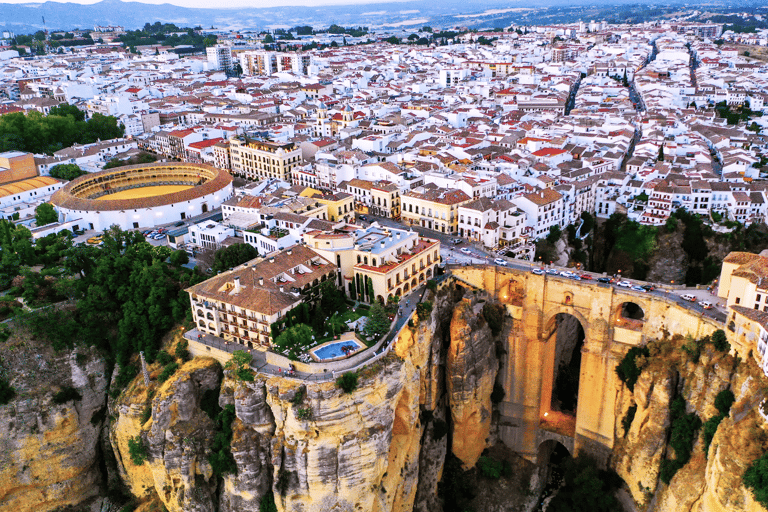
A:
(49, 448)
(711, 481)
(471, 369)
(177, 438)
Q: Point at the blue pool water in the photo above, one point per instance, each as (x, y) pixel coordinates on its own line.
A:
(334, 349)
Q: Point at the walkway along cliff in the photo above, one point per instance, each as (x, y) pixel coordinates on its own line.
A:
(489, 366)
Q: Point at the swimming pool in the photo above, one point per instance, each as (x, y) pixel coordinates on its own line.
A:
(335, 349)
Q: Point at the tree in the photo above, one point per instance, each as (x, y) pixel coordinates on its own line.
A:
(378, 322)
(369, 289)
(66, 171)
(45, 214)
(624, 80)
(65, 109)
(554, 233)
(586, 488)
(268, 39)
(179, 258)
(295, 340)
(232, 256)
(660, 158)
(331, 298)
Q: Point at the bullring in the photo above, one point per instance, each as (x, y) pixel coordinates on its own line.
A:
(138, 196)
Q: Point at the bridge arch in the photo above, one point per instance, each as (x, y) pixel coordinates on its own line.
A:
(564, 335)
(630, 310)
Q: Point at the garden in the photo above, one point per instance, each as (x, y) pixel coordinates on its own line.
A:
(309, 325)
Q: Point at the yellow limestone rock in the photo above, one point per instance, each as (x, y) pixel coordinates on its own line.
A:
(471, 373)
(48, 451)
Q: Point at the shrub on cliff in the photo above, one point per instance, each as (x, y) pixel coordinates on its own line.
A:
(221, 459)
(684, 432)
(267, 503)
(723, 402)
(7, 393)
(348, 382)
(137, 450)
(719, 341)
(182, 350)
(168, 371)
(756, 479)
(628, 369)
(423, 309)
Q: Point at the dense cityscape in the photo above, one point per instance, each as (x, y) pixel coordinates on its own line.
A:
(414, 269)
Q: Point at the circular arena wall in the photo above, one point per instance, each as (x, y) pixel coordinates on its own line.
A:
(137, 196)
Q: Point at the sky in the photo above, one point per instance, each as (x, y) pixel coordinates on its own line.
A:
(230, 3)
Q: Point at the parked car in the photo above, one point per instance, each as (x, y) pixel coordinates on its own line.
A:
(146, 232)
(638, 289)
(603, 279)
(465, 250)
(688, 297)
(567, 273)
(648, 287)
(179, 224)
(538, 271)
(552, 272)
(625, 284)
(705, 304)
(362, 217)
(500, 261)
(586, 276)
(456, 241)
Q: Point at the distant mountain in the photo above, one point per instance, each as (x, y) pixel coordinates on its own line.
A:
(403, 15)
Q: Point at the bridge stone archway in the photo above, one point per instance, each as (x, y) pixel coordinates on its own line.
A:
(527, 370)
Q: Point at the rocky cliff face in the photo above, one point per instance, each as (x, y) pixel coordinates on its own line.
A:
(710, 481)
(310, 444)
(471, 372)
(49, 451)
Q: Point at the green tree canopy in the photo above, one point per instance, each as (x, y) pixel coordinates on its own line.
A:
(66, 171)
(294, 339)
(45, 214)
(232, 256)
(378, 321)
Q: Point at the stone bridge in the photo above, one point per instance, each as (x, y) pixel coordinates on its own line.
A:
(545, 311)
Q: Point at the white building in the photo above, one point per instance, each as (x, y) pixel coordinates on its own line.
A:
(219, 57)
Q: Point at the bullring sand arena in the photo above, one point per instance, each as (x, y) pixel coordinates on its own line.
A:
(143, 195)
(150, 191)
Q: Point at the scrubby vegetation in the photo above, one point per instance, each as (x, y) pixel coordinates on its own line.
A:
(723, 402)
(221, 458)
(492, 468)
(631, 366)
(137, 450)
(586, 488)
(348, 382)
(685, 427)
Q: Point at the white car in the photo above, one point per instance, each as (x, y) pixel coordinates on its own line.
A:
(705, 304)
(538, 271)
(688, 297)
(465, 250)
(500, 261)
(567, 273)
(624, 284)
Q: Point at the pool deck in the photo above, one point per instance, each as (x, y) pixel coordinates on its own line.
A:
(348, 336)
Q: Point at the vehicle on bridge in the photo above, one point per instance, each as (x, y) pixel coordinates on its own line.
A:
(705, 304)
(538, 271)
(500, 261)
(688, 297)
